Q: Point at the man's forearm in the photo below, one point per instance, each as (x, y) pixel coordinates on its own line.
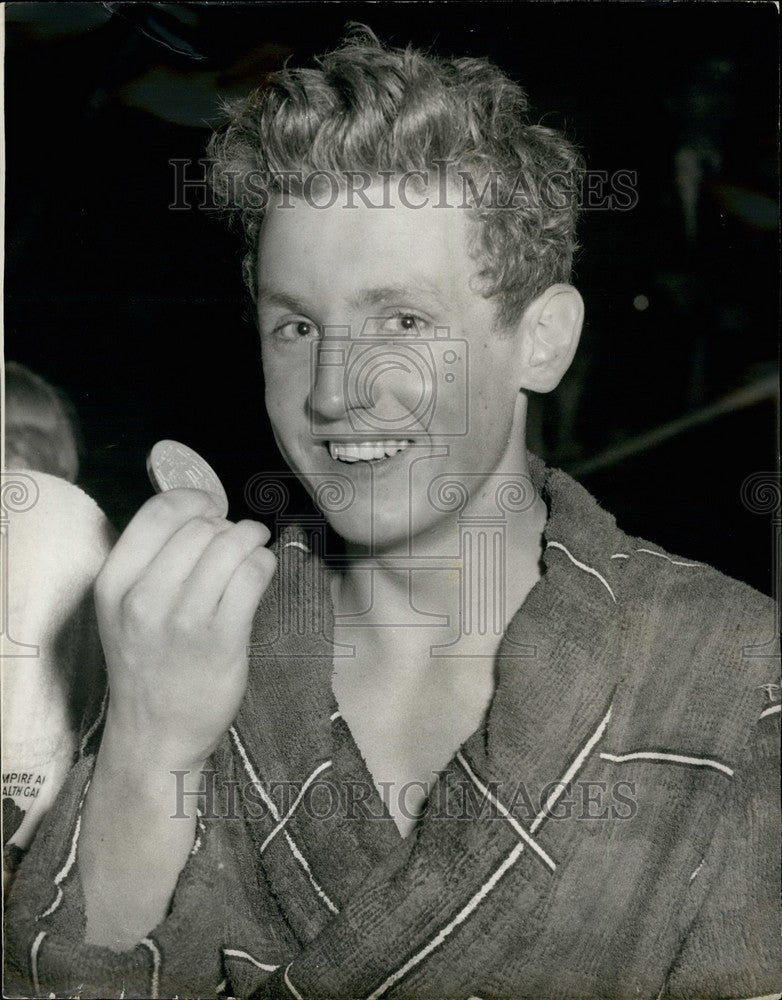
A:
(132, 845)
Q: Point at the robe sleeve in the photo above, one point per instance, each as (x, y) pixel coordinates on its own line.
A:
(216, 912)
(734, 945)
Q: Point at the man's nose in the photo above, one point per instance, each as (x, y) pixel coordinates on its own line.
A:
(327, 396)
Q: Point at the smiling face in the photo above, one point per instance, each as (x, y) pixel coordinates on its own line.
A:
(383, 368)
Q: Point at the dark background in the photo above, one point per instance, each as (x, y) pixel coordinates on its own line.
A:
(138, 311)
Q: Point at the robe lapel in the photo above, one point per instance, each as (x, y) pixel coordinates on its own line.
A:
(318, 831)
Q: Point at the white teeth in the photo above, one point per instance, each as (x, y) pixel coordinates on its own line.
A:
(365, 451)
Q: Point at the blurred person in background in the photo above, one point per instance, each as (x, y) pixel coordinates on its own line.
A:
(41, 425)
(54, 540)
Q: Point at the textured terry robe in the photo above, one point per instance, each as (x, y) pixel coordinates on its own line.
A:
(630, 680)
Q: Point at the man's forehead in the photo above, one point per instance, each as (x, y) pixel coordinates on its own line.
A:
(403, 201)
(367, 255)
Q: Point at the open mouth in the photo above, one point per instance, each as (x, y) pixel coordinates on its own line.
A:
(366, 451)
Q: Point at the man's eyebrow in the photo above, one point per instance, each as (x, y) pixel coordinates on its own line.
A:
(366, 299)
(370, 298)
(276, 297)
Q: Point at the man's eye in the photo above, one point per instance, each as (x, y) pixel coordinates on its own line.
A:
(297, 329)
(405, 323)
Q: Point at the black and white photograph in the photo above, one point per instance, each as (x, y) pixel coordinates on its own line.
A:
(390, 511)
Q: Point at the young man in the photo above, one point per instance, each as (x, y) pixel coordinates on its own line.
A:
(501, 749)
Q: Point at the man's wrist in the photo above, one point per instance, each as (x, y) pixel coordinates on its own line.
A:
(144, 770)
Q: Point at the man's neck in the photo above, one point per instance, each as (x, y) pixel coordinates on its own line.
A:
(459, 590)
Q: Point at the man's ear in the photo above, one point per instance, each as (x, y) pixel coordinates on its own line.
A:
(550, 328)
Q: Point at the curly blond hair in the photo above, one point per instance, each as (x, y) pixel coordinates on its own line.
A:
(366, 107)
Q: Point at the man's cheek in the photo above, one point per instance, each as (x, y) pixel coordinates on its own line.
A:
(279, 414)
(282, 440)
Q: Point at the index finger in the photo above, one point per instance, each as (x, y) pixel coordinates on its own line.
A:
(149, 530)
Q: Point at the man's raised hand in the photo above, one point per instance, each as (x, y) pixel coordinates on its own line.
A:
(175, 602)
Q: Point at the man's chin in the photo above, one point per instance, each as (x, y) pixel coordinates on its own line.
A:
(365, 532)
